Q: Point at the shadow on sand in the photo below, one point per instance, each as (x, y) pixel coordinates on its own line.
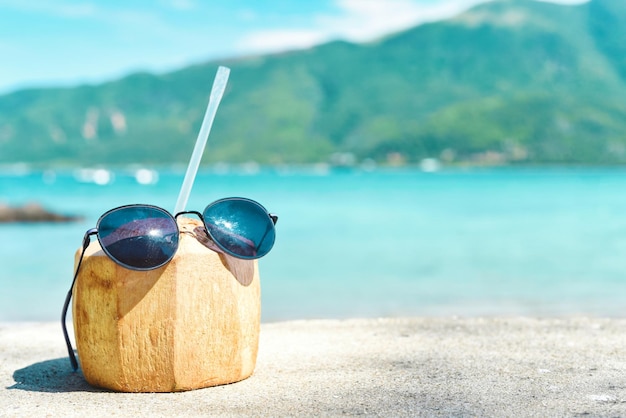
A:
(51, 376)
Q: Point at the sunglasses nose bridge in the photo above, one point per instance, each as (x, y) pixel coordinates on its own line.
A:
(189, 212)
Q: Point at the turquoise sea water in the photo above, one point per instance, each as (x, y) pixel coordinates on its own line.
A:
(354, 243)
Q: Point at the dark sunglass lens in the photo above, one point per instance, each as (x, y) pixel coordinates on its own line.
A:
(241, 227)
(138, 237)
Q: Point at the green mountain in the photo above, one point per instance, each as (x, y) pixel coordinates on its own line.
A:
(511, 81)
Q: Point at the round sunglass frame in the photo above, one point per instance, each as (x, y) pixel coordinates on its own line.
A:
(269, 220)
(256, 216)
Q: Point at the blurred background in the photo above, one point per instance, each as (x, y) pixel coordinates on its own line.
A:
(425, 157)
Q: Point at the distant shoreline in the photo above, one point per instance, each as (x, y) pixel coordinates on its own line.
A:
(251, 167)
(32, 213)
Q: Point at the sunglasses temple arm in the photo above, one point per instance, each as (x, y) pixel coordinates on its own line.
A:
(70, 349)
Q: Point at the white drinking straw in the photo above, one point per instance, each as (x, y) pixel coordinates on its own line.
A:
(219, 85)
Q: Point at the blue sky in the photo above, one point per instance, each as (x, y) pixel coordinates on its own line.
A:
(68, 42)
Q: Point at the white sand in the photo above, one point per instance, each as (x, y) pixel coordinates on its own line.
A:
(516, 367)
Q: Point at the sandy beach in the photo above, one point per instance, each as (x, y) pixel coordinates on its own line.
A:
(485, 367)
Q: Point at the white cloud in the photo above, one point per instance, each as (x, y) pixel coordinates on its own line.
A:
(276, 40)
(356, 20)
(367, 19)
(134, 37)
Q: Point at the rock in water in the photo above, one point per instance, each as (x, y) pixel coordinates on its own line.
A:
(32, 212)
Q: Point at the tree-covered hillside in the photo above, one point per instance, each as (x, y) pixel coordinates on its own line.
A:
(511, 81)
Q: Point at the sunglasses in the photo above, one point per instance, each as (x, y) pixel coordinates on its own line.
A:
(145, 237)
